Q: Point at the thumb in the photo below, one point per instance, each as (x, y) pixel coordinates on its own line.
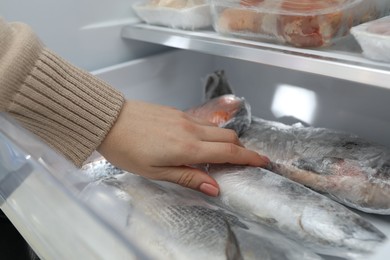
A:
(191, 178)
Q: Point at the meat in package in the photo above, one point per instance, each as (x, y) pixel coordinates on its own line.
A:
(301, 23)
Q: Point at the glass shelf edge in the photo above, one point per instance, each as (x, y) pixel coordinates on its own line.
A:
(326, 62)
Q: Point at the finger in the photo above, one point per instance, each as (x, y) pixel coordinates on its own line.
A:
(201, 121)
(216, 134)
(190, 178)
(212, 152)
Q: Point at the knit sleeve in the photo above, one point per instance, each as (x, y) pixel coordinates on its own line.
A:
(67, 107)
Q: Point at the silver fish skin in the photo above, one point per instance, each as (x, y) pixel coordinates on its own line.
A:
(258, 240)
(321, 224)
(173, 222)
(347, 168)
(350, 169)
(262, 243)
(177, 228)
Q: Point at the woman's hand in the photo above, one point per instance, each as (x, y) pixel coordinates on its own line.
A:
(161, 143)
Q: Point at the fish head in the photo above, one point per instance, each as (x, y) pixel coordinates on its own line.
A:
(221, 106)
(227, 111)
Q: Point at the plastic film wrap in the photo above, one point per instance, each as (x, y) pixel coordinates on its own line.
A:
(299, 23)
(181, 14)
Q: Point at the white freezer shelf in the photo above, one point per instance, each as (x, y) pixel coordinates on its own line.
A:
(45, 206)
(341, 61)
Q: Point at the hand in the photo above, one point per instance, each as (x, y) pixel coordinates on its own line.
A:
(161, 143)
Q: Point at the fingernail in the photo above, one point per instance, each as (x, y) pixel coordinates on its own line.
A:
(209, 189)
(265, 159)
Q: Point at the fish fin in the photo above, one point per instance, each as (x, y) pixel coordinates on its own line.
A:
(216, 85)
(232, 219)
(293, 121)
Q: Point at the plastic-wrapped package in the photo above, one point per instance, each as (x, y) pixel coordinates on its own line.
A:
(346, 167)
(173, 224)
(181, 14)
(374, 38)
(178, 219)
(301, 23)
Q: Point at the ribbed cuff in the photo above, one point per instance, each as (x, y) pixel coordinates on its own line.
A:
(67, 107)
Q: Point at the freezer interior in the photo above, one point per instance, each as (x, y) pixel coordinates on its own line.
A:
(44, 195)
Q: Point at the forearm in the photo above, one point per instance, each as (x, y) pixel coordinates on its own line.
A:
(67, 107)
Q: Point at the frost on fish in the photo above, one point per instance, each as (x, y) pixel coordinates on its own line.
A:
(176, 227)
(349, 169)
(301, 214)
(171, 227)
(99, 168)
(172, 222)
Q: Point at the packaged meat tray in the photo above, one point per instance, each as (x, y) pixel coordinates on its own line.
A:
(374, 38)
(181, 14)
(301, 23)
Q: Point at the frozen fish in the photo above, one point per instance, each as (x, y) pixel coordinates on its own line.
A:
(221, 106)
(169, 226)
(251, 194)
(300, 213)
(351, 170)
(172, 222)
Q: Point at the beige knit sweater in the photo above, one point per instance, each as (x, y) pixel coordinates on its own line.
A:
(67, 107)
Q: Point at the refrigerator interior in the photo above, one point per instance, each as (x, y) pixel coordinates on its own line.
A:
(41, 191)
(176, 78)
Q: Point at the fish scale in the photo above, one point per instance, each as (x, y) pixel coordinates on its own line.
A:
(300, 213)
(320, 159)
(349, 169)
(173, 222)
(194, 228)
(310, 156)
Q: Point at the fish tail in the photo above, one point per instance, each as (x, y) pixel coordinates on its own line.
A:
(216, 85)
